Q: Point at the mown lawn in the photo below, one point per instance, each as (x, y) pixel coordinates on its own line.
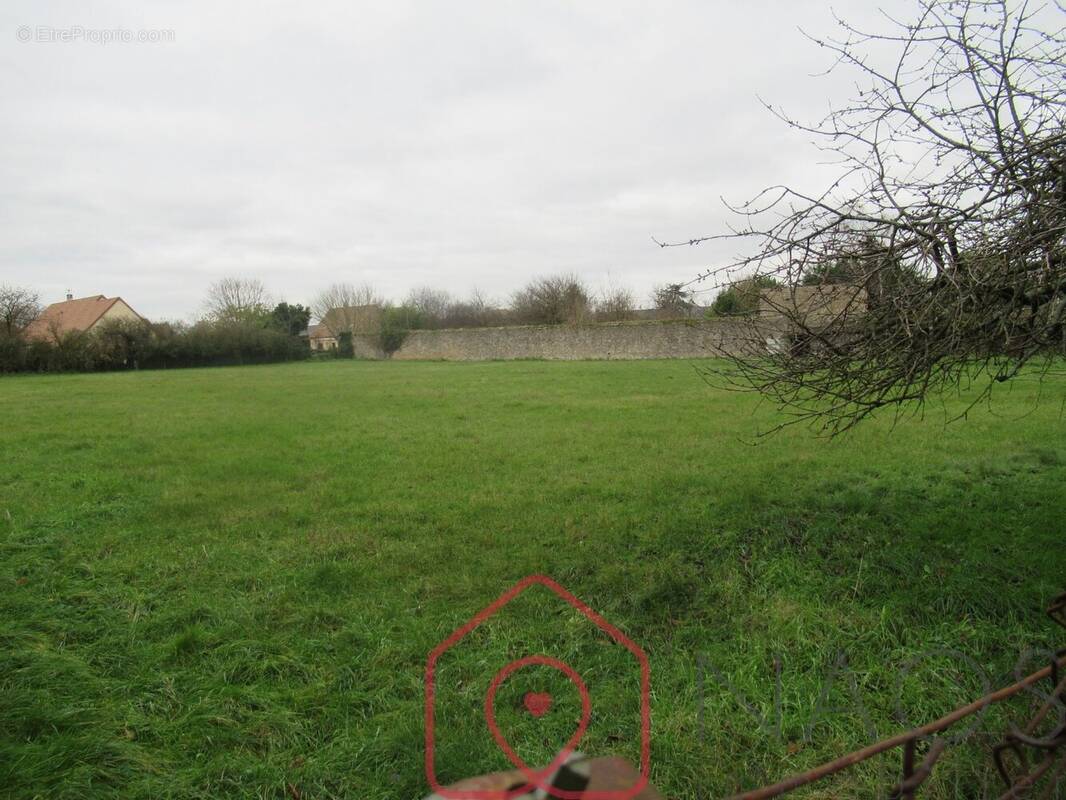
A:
(225, 583)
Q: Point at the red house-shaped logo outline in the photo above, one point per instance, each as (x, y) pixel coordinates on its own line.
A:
(613, 632)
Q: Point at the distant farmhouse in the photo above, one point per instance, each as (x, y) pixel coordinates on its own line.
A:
(319, 338)
(79, 316)
(351, 319)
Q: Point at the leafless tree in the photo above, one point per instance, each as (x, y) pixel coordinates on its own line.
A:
(477, 311)
(237, 300)
(616, 304)
(430, 304)
(948, 213)
(552, 301)
(18, 308)
(344, 308)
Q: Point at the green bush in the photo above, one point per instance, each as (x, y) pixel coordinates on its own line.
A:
(741, 297)
(13, 354)
(395, 325)
(345, 347)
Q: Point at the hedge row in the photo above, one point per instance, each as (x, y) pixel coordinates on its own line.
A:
(124, 345)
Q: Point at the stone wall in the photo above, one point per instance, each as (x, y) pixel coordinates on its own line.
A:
(618, 340)
(367, 346)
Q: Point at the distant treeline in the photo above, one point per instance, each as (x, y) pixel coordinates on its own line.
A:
(146, 345)
(242, 325)
(560, 299)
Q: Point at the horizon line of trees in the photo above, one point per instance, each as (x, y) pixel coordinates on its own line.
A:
(240, 323)
(559, 299)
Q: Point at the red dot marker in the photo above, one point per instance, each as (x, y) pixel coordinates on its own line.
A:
(537, 703)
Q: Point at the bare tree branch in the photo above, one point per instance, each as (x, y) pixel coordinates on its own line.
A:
(949, 213)
(18, 308)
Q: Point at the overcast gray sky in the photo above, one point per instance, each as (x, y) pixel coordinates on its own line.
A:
(459, 144)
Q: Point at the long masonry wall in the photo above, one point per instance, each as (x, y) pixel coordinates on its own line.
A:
(619, 340)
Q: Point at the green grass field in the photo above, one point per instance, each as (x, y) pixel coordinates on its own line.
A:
(225, 582)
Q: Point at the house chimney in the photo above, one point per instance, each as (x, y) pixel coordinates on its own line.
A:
(70, 295)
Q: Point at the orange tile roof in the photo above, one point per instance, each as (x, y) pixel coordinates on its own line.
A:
(70, 315)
